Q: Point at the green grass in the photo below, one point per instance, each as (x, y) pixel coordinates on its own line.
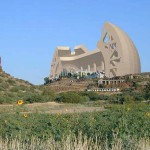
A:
(120, 121)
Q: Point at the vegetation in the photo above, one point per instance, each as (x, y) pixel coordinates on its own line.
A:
(72, 143)
(127, 123)
(147, 91)
(12, 89)
(123, 125)
(71, 97)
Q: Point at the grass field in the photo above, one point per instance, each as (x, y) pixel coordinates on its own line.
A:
(75, 126)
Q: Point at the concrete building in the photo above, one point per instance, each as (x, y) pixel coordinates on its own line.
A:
(115, 55)
(108, 82)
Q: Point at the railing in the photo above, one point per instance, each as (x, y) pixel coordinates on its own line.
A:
(104, 90)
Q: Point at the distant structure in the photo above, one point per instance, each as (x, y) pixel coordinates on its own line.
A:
(115, 55)
(1, 70)
(108, 82)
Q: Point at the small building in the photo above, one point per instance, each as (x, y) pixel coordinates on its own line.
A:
(110, 81)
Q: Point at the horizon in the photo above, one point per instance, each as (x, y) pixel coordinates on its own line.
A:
(30, 31)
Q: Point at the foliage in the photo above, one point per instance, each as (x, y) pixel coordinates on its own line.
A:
(93, 96)
(48, 94)
(126, 99)
(32, 98)
(121, 121)
(147, 91)
(71, 97)
(47, 80)
(12, 89)
(137, 96)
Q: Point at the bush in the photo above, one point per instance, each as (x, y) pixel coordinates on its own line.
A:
(33, 98)
(93, 96)
(15, 89)
(48, 94)
(4, 85)
(10, 81)
(47, 80)
(147, 91)
(125, 98)
(70, 97)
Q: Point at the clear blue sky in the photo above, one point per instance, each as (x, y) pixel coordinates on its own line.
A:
(30, 30)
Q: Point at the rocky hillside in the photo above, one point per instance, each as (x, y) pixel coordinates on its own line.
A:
(12, 89)
(65, 85)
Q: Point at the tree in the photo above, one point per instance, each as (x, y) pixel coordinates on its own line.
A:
(46, 80)
(147, 91)
(69, 75)
(125, 98)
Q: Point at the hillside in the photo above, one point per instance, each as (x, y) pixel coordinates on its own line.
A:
(66, 85)
(12, 89)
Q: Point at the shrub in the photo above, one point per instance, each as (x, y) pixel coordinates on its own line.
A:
(5, 85)
(2, 89)
(47, 80)
(125, 98)
(10, 81)
(33, 98)
(70, 97)
(15, 89)
(147, 91)
(93, 96)
(48, 94)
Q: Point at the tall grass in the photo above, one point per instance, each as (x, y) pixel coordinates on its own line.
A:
(72, 143)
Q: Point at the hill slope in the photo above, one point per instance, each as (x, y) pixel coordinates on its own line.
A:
(67, 84)
(12, 89)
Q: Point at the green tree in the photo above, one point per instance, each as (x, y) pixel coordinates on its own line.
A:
(147, 91)
(46, 80)
(71, 97)
(125, 98)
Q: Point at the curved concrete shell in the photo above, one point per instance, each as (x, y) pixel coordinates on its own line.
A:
(115, 55)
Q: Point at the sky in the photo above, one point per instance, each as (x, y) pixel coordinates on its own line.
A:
(30, 30)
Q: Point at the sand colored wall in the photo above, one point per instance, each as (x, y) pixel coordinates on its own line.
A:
(116, 55)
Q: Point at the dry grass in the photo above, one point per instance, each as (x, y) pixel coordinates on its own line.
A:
(50, 107)
(70, 143)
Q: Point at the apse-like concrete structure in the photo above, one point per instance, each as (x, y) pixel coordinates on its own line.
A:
(116, 55)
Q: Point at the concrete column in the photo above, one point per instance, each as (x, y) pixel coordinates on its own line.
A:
(94, 67)
(81, 70)
(86, 71)
(89, 69)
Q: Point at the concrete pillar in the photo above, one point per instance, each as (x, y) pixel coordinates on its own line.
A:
(89, 69)
(86, 71)
(95, 67)
(81, 70)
